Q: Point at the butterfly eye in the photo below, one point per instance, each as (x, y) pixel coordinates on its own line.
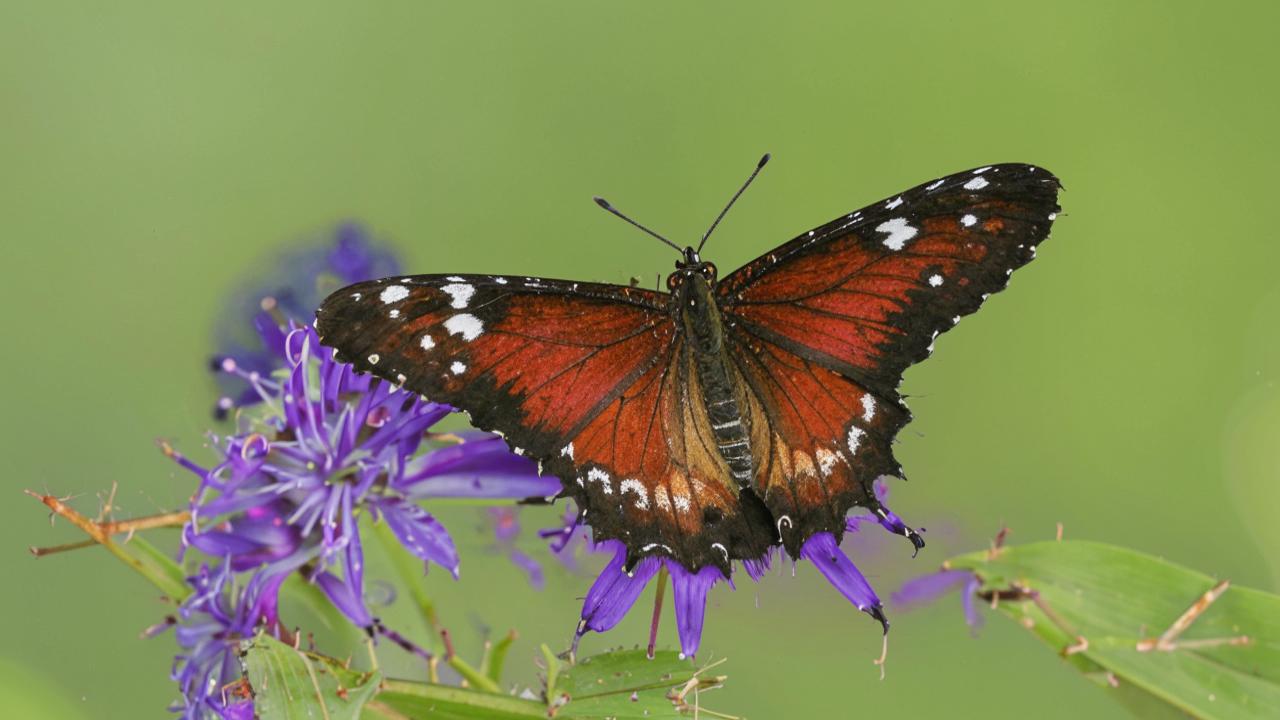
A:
(673, 281)
(709, 271)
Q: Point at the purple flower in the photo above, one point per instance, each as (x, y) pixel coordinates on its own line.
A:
(568, 538)
(212, 622)
(336, 445)
(616, 589)
(299, 279)
(928, 588)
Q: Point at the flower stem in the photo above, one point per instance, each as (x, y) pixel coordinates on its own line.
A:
(115, 527)
(658, 594)
(137, 553)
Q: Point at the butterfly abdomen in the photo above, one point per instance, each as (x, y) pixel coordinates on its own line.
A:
(703, 326)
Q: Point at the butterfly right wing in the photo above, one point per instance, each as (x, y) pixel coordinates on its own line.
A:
(591, 380)
(823, 326)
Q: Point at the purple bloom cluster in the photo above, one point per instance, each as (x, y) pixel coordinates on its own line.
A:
(300, 278)
(323, 448)
(213, 621)
(617, 588)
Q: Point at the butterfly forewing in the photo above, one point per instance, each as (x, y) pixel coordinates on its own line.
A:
(536, 359)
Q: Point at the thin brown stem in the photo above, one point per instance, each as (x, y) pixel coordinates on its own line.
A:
(658, 595)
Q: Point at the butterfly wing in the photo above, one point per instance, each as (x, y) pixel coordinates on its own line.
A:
(591, 380)
(823, 327)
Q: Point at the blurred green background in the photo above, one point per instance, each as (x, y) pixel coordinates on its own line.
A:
(1125, 385)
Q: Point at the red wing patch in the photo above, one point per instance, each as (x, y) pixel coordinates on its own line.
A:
(534, 359)
(822, 440)
(648, 469)
(866, 294)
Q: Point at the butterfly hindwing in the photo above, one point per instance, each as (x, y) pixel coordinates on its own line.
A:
(824, 326)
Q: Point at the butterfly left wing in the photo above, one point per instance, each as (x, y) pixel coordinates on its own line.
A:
(532, 358)
(591, 380)
(823, 326)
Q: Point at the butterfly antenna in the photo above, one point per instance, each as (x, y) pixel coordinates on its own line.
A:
(759, 166)
(605, 204)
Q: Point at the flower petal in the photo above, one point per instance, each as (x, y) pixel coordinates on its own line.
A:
(345, 598)
(483, 468)
(420, 533)
(821, 549)
(971, 615)
(690, 591)
(928, 588)
(614, 592)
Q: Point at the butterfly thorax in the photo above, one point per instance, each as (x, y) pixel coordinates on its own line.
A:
(693, 288)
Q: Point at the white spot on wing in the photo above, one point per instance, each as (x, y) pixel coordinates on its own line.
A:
(981, 170)
(393, 293)
(602, 477)
(373, 359)
(567, 451)
(426, 343)
(899, 232)
(969, 220)
(466, 325)
(634, 486)
(723, 550)
(1053, 216)
(893, 203)
(457, 368)
(826, 461)
(682, 502)
(393, 314)
(454, 278)
(976, 184)
(500, 281)
(855, 437)
(935, 184)
(868, 407)
(935, 280)
(461, 294)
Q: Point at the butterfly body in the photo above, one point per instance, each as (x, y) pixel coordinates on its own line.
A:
(726, 417)
(693, 296)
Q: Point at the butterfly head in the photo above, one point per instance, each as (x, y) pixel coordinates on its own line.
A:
(688, 267)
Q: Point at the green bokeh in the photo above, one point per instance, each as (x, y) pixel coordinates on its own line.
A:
(1125, 385)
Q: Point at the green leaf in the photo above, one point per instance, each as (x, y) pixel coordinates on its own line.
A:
(289, 683)
(402, 699)
(613, 685)
(1115, 599)
(157, 566)
(627, 684)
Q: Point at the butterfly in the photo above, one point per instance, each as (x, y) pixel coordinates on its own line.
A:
(726, 416)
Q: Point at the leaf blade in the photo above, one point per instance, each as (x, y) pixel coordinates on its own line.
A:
(1116, 597)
